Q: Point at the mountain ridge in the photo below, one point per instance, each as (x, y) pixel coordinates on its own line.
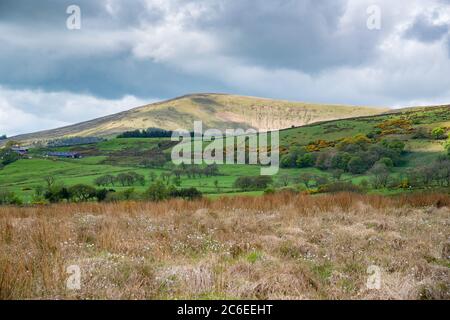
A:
(215, 110)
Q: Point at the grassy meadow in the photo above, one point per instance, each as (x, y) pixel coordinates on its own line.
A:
(282, 246)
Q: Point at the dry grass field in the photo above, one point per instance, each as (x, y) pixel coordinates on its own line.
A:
(279, 246)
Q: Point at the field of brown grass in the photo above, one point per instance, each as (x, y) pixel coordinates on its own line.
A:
(275, 247)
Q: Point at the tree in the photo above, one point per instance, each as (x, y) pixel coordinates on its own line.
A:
(103, 180)
(82, 192)
(188, 194)
(380, 175)
(216, 184)
(101, 194)
(356, 165)
(253, 183)
(354, 144)
(8, 157)
(284, 179)
(50, 181)
(306, 161)
(340, 160)
(157, 191)
(386, 161)
(290, 160)
(9, 198)
(306, 178)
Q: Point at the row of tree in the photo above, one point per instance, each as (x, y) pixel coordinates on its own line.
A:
(123, 179)
(248, 183)
(157, 191)
(146, 133)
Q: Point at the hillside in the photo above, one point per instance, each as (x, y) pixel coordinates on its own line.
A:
(215, 110)
(317, 143)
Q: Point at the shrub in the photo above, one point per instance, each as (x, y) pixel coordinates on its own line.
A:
(356, 165)
(9, 198)
(386, 161)
(438, 133)
(421, 133)
(358, 142)
(253, 183)
(340, 160)
(157, 191)
(82, 192)
(380, 175)
(306, 160)
(7, 157)
(56, 193)
(188, 194)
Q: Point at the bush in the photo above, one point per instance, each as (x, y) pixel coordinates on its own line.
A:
(380, 176)
(421, 133)
(438, 133)
(306, 160)
(386, 161)
(157, 191)
(7, 157)
(340, 160)
(356, 165)
(188, 194)
(82, 192)
(9, 198)
(253, 183)
(55, 193)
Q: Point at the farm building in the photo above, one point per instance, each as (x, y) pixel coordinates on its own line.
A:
(74, 155)
(20, 150)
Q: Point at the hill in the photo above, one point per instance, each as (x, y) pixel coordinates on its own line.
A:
(315, 150)
(214, 110)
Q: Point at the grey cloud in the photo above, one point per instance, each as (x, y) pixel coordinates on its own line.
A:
(424, 30)
(304, 39)
(303, 35)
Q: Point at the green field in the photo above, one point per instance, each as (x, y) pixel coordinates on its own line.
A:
(116, 156)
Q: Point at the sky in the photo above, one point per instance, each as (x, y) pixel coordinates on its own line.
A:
(131, 53)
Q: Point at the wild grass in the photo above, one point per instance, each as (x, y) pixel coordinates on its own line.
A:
(280, 246)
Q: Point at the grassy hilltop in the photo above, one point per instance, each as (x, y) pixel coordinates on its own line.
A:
(214, 110)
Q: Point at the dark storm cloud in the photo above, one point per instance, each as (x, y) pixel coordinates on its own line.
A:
(299, 35)
(299, 49)
(303, 35)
